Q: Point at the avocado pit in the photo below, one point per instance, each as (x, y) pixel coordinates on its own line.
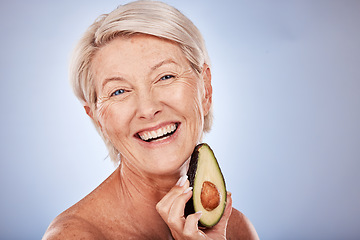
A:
(210, 196)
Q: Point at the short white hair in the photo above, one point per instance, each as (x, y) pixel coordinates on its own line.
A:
(139, 17)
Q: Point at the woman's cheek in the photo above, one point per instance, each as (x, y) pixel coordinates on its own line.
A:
(189, 102)
(192, 95)
(183, 91)
(106, 116)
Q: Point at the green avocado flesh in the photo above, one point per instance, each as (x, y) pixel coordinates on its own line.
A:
(209, 189)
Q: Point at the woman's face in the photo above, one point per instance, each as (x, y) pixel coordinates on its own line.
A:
(151, 104)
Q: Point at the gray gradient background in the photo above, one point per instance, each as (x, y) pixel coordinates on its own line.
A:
(286, 80)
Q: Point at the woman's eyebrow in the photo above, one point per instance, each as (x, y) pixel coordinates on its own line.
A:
(111, 79)
(164, 62)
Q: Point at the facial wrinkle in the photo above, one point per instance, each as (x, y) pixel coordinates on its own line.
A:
(194, 84)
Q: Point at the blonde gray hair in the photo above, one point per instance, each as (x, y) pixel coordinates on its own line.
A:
(139, 17)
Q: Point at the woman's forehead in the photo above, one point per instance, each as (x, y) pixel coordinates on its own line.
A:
(139, 51)
(139, 44)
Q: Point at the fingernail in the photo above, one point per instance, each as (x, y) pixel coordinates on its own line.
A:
(182, 181)
(188, 190)
(199, 214)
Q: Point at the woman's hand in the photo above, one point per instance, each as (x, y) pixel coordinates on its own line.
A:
(171, 209)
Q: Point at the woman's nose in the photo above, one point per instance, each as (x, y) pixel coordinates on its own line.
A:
(148, 106)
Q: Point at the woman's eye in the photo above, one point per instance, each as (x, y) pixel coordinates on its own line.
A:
(166, 77)
(118, 92)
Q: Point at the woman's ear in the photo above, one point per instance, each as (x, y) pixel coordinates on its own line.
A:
(90, 113)
(207, 100)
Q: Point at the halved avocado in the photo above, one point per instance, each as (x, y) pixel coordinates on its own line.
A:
(209, 189)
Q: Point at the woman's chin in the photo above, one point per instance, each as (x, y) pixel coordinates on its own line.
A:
(165, 165)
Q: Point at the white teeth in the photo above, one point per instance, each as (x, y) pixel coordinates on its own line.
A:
(159, 132)
(172, 128)
(147, 135)
(154, 134)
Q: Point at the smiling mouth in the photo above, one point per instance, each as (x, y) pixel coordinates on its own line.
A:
(158, 134)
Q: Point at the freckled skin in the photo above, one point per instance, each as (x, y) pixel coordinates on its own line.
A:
(148, 101)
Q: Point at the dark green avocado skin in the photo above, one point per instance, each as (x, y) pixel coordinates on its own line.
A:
(193, 165)
(189, 207)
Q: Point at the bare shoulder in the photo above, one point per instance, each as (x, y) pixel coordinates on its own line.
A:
(81, 221)
(71, 227)
(240, 227)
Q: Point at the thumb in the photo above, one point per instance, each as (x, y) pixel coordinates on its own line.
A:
(222, 224)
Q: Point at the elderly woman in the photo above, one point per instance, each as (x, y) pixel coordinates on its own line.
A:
(142, 73)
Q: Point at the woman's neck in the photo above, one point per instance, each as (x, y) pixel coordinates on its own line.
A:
(140, 187)
(138, 195)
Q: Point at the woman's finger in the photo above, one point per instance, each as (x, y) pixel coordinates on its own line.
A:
(164, 205)
(176, 219)
(228, 208)
(222, 224)
(177, 189)
(191, 227)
